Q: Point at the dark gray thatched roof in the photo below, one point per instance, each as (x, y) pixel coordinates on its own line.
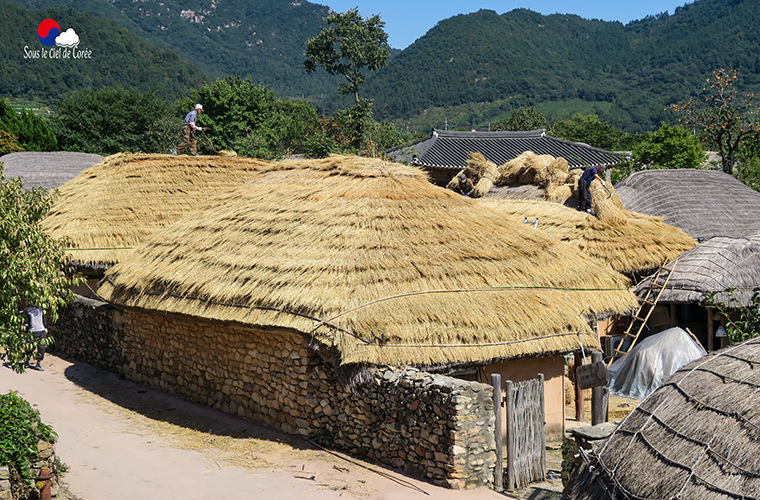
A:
(49, 170)
(704, 203)
(713, 266)
(696, 436)
(449, 150)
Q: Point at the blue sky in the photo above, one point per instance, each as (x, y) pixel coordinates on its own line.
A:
(406, 21)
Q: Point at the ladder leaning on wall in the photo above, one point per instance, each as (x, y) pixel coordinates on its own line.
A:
(646, 307)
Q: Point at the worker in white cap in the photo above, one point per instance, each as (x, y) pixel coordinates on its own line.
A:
(188, 140)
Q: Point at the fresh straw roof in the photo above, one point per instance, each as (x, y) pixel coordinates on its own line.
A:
(113, 205)
(371, 259)
(713, 267)
(643, 243)
(696, 436)
(704, 203)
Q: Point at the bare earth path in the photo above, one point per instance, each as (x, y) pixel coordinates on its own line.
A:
(122, 440)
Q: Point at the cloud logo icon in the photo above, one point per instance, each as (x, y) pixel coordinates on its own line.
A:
(68, 38)
(47, 31)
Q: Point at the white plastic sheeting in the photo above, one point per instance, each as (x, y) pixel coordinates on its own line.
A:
(651, 361)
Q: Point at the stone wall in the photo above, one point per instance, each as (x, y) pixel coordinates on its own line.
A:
(12, 486)
(437, 428)
(90, 331)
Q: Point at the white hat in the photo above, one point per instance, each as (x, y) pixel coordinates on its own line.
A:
(199, 106)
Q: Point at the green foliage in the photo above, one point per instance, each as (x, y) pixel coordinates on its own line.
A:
(111, 120)
(590, 130)
(523, 118)
(20, 430)
(724, 118)
(748, 171)
(742, 323)
(31, 131)
(33, 264)
(118, 56)
(669, 147)
(347, 46)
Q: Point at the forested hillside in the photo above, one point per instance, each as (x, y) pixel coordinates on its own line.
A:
(263, 39)
(107, 55)
(626, 74)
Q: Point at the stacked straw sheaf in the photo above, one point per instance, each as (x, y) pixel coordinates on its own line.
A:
(643, 243)
(481, 172)
(371, 259)
(113, 205)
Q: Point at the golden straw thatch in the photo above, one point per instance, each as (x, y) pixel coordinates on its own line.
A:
(482, 172)
(115, 204)
(370, 259)
(642, 243)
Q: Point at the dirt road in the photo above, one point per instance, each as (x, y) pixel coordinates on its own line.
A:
(122, 440)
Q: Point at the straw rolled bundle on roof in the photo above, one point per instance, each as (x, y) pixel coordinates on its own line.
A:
(511, 171)
(609, 211)
(374, 266)
(113, 205)
(485, 172)
(558, 192)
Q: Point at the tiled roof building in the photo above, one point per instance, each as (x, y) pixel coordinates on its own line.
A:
(444, 152)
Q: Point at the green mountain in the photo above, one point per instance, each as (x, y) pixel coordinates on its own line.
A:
(106, 55)
(261, 39)
(628, 74)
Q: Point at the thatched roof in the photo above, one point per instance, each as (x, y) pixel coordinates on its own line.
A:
(112, 206)
(713, 267)
(46, 169)
(372, 260)
(643, 243)
(696, 436)
(704, 203)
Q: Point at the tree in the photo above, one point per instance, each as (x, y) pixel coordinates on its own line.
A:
(669, 147)
(32, 265)
(346, 46)
(724, 118)
(111, 120)
(590, 130)
(32, 132)
(523, 118)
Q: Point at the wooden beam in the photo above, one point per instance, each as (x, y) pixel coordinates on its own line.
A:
(580, 412)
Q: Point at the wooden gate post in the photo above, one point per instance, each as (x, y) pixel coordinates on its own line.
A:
(579, 406)
(498, 480)
(511, 459)
(600, 396)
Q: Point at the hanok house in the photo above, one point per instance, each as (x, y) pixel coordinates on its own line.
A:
(107, 209)
(329, 298)
(444, 153)
(695, 436)
(724, 216)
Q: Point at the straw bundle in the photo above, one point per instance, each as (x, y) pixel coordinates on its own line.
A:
(228, 153)
(511, 171)
(113, 205)
(537, 170)
(609, 211)
(572, 179)
(365, 257)
(485, 172)
(559, 193)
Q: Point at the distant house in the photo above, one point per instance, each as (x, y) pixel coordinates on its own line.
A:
(329, 298)
(444, 152)
(724, 216)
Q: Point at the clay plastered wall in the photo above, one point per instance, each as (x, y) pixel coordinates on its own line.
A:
(437, 428)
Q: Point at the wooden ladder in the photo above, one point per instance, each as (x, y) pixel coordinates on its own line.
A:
(646, 305)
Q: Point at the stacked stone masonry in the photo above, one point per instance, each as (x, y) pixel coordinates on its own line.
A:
(433, 427)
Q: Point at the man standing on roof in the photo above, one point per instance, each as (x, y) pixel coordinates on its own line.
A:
(188, 139)
(584, 184)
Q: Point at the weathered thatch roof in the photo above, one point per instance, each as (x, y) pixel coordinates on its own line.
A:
(696, 436)
(46, 169)
(713, 267)
(112, 206)
(643, 243)
(704, 203)
(372, 260)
